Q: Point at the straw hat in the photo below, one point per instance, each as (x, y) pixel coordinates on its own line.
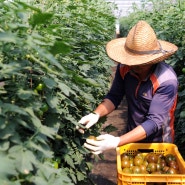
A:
(140, 47)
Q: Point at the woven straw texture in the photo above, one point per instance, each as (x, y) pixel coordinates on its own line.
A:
(140, 47)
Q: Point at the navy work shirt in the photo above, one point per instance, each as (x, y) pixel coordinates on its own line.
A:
(151, 103)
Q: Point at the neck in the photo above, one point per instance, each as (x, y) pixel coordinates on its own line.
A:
(142, 71)
(144, 75)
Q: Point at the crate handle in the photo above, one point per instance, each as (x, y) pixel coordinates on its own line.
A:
(146, 150)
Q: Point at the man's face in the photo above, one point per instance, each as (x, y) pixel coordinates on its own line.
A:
(141, 68)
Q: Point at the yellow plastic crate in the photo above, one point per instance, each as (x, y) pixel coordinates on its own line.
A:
(150, 179)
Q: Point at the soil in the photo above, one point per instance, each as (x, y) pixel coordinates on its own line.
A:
(105, 171)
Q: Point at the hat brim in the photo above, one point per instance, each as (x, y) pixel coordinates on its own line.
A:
(116, 51)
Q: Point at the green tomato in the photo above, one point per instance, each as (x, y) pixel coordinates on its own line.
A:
(44, 107)
(27, 56)
(40, 113)
(40, 87)
(35, 91)
(183, 70)
(55, 164)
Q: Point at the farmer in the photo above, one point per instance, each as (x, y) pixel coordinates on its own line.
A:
(149, 85)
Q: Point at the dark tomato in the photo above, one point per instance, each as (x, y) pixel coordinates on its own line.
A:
(160, 157)
(146, 157)
(171, 171)
(152, 158)
(173, 164)
(169, 157)
(165, 169)
(161, 160)
(151, 167)
(163, 164)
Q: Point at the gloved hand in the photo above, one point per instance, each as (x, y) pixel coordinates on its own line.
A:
(88, 120)
(102, 143)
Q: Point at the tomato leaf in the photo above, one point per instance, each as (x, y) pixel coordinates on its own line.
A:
(40, 18)
(60, 47)
(25, 94)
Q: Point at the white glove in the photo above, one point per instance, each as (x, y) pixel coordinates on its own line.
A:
(102, 143)
(88, 120)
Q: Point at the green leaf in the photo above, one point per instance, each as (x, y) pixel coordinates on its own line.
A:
(48, 175)
(60, 47)
(25, 94)
(40, 18)
(88, 81)
(44, 150)
(7, 166)
(8, 37)
(24, 159)
(5, 134)
(4, 145)
(36, 121)
(48, 131)
(73, 176)
(48, 56)
(10, 69)
(52, 101)
(80, 176)
(50, 83)
(65, 89)
(69, 161)
(7, 107)
(85, 67)
(7, 182)
(26, 6)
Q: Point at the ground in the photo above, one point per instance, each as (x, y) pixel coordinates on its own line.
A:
(105, 171)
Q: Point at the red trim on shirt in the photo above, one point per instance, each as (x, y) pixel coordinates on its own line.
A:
(124, 70)
(155, 82)
(172, 120)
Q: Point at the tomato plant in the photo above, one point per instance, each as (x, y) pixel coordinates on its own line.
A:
(54, 70)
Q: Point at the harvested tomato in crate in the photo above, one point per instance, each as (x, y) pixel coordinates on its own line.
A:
(130, 174)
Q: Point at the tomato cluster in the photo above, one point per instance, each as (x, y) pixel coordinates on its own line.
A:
(150, 163)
